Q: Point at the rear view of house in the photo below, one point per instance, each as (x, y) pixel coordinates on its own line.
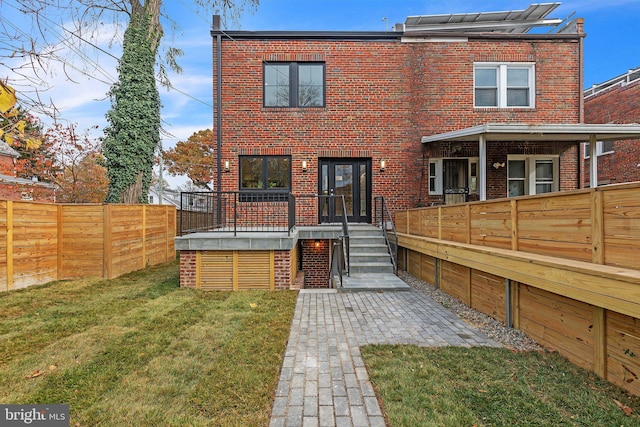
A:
(442, 109)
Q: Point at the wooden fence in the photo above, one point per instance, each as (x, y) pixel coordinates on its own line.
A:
(42, 242)
(564, 268)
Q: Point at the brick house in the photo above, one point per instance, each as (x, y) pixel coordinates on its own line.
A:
(614, 101)
(14, 188)
(443, 109)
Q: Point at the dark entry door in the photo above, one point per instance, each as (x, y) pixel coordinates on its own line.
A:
(350, 178)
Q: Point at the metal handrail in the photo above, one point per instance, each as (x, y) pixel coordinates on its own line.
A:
(385, 221)
(345, 237)
(337, 260)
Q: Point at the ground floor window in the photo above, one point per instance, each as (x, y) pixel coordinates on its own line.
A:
(455, 173)
(268, 174)
(527, 175)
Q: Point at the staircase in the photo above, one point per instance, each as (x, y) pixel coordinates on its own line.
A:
(368, 250)
(371, 268)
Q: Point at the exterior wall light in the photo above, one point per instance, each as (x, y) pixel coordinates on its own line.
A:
(383, 165)
(317, 243)
(226, 165)
(304, 166)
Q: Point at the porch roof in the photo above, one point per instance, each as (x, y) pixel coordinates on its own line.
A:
(543, 132)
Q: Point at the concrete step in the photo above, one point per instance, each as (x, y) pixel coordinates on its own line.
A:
(368, 249)
(366, 241)
(378, 282)
(362, 258)
(371, 267)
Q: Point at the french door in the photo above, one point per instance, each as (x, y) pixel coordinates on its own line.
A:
(350, 178)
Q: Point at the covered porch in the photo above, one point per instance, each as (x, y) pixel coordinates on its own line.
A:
(536, 134)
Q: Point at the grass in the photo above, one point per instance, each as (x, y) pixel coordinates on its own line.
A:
(491, 387)
(139, 350)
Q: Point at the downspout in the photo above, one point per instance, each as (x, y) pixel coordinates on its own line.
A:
(581, 36)
(218, 104)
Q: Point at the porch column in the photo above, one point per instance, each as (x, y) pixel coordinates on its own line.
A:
(593, 161)
(482, 176)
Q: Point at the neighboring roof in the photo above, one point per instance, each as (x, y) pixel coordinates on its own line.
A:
(622, 80)
(15, 180)
(544, 132)
(6, 150)
(512, 21)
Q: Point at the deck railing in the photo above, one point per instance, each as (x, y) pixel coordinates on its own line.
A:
(233, 211)
(239, 211)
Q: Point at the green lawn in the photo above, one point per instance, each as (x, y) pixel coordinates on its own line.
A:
(492, 387)
(138, 350)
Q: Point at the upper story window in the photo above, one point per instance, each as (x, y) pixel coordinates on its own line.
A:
(294, 84)
(504, 85)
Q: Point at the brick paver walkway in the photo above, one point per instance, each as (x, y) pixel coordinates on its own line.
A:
(323, 381)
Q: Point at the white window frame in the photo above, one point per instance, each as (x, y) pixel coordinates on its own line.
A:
(437, 178)
(599, 149)
(530, 172)
(502, 69)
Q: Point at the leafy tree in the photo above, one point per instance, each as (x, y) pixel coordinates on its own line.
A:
(134, 119)
(81, 177)
(23, 132)
(194, 158)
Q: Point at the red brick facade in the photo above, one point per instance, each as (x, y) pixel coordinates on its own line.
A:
(619, 104)
(382, 96)
(315, 263)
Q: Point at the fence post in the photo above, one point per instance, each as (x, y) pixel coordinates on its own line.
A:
(597, 227)
(59, 267)
(106, 233)
(144, 236)
(514, 225)
(9, 245)
(467, 210)
(599, 342)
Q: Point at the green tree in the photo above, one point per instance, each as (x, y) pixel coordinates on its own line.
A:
(133, 132)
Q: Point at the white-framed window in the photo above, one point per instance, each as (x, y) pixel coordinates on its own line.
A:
(453, 173)
(527, 175)
(509, 85)
(602, 147)
(435, 177)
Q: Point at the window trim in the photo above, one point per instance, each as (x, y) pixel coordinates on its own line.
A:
(438, 163)
(502, 69)
(294, 83)
(530, 172)
(599, 149)
(278, 193)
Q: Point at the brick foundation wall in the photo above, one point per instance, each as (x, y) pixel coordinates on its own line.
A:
(619, 104)
(188, 269)
(282, 270)
(315, 263)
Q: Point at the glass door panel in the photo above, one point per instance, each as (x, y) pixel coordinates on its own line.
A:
(350, 178)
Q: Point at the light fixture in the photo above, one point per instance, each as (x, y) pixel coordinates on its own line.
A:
(317, 243)
(226, 165)
(304, 166)
(498, 165)
(383, 165)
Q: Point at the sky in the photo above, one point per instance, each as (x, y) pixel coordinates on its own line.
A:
(612, 47)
